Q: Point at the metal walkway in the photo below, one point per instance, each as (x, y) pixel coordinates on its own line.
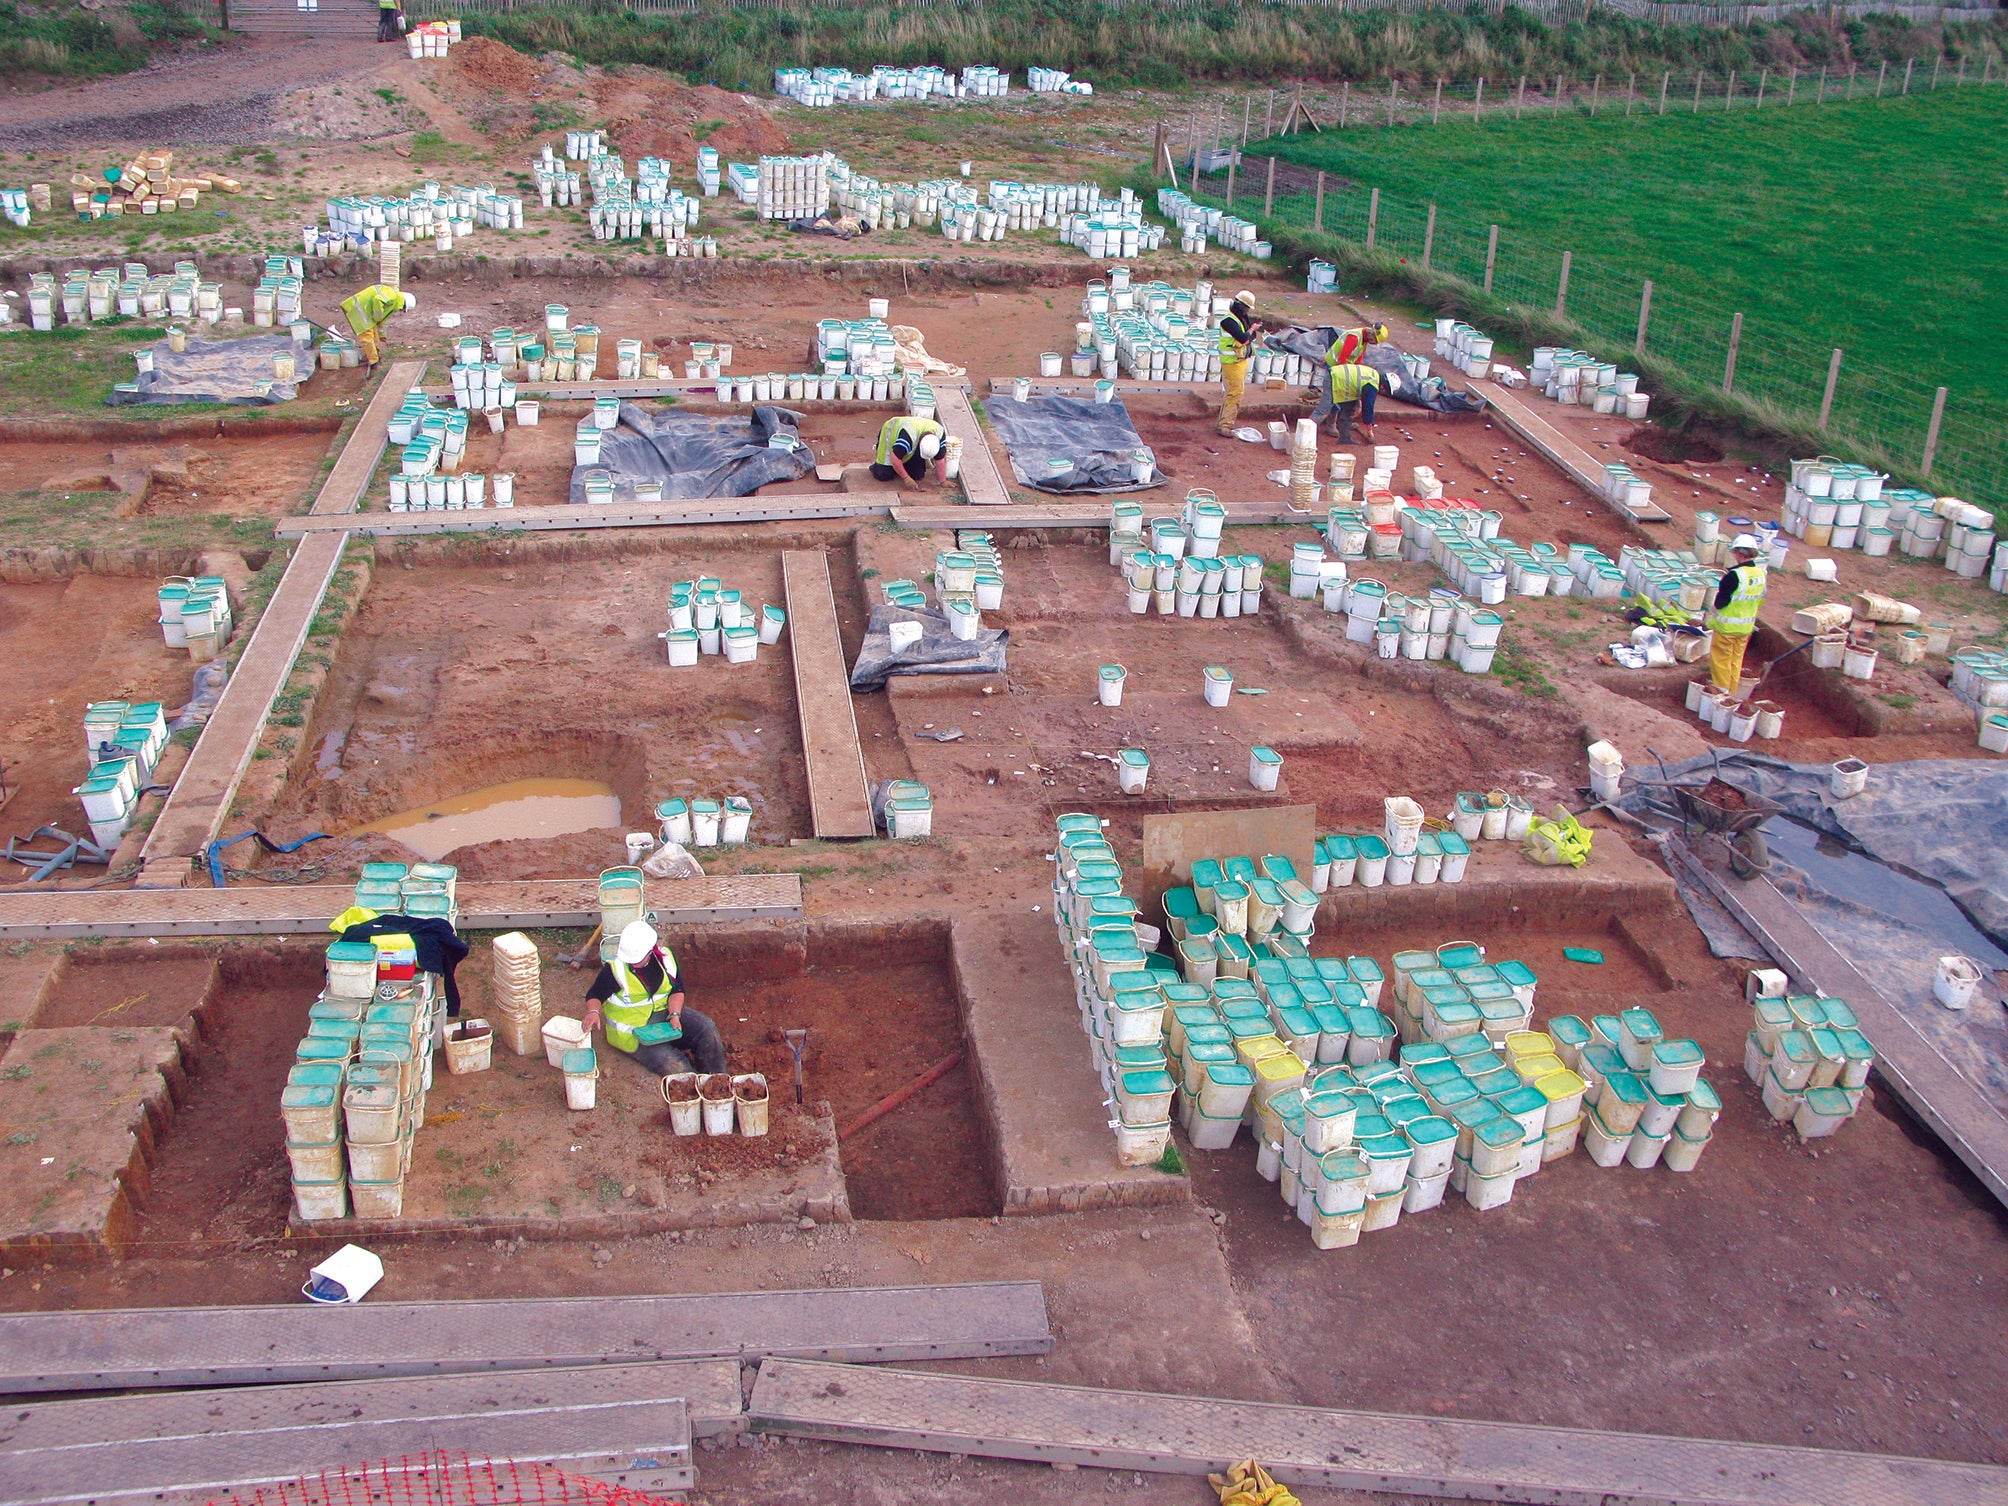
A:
(776, 507)
(1517, 412)
(982, 478)
(626, 1424)
(1425, 1456)
(839, 797)
(1945, 1097)
(208, 1346)
(296, 909)
(200, 800)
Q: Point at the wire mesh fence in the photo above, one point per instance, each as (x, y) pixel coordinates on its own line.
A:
(1881, 413)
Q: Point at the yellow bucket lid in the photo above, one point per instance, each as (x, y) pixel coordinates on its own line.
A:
(1283, 1066)
(1253, 1048)
(1534, 1068)
(1556, 1086)
(1530, 1043)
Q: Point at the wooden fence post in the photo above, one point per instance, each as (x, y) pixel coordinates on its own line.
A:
(1729, 366)
(1699, 75)
(1596, 88)
(1937, 63)
(1881, 74)
(1269, 190)
(1631, 92)
(1345, 99)
(1562, 288)
(1318, 213)
(1931, 434)
(1429, 237)
(1792, 89)
(1729, 95)
(1491, 255)
(1233, 157)
(1644, 314)
(1520, 106)
(1436, 105)
(1821, 97)
(1827, 397)
(1664, 80)
(1393, 89)
(1269, 117)
(1478, 104)
(1373, 216)
(1908, 64)
(1762, 79)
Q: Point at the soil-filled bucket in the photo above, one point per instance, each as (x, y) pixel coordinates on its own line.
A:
(714, 1092)
(686, 1113)
(469, 1044)
(749, 1098)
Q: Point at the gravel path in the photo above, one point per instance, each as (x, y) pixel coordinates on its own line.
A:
(210, 95)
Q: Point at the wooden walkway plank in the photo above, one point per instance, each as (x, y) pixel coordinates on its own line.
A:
(1425, 1456)
(839, 795)
(626, 1424)
(252, 909)
(208, 1346)
(780, 507)
(1517, 412)
(200, 800)
(1060, 513)
(982, 477)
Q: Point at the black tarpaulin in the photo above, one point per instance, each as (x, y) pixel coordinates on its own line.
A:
(698, 455)
(220, 371)
(1070, 444)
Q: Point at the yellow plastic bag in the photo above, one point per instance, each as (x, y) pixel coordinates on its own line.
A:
(1248, 1484)
(1559, 841)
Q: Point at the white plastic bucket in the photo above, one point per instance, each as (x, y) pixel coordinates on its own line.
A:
(1849, 777)
(1218, 685)
(718, 1113)
(562, 1033)
(1109, 684)
(1265, 766)
(686, 1116)
(1955, 982)
(345, 1276)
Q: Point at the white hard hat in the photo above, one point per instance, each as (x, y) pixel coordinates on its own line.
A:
(1746, 541)
(1244, 296)
(638, 939)
(411, 303)
(930, 446)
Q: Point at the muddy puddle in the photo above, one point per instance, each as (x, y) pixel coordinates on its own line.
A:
(518, 810)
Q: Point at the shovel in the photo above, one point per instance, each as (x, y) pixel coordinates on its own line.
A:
(1771, 669)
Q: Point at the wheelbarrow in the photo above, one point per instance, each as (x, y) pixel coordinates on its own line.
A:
(1737, 827)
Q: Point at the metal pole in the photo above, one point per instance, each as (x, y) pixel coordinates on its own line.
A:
(1833, 379)
(1762, 79)
(1478, 104)
(1491, 255)
(1269, 190)
(1644, 314)
(1931, 434)
(1881, 74)
(1373, 216)
(1729, 366)
(1664, 80)
(1562, 288)
(1318, 214)
(1436, 105)
(1429, 237)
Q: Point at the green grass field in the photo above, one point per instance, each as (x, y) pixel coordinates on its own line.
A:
(1877, 226)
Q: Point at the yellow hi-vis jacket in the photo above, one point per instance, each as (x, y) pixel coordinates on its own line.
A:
(912, 430)
(634, 1006)
(1348, 381)
(1739, 618)
(369, 308)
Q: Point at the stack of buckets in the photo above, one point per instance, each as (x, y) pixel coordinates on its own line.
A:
(708, 617)
(1464, 347)
(518, 994)
(123, 740)
(1177, 565)
(969, 581)
(908, 810)
(195, 614)
(703, 822)
(1645, 1099)
(1807, 1055)
(355, 1098)
(1574, 376)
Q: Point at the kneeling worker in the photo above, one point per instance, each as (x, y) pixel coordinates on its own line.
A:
(369, 310)
(640, 997)
(905, 446)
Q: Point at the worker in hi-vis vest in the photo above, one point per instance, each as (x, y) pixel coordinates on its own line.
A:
(1238, 328)
(640, 997)
(1734, 619)
(367, 312)
(389, 13)
(1352, 389)
(905, 447)
(1351, 347)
